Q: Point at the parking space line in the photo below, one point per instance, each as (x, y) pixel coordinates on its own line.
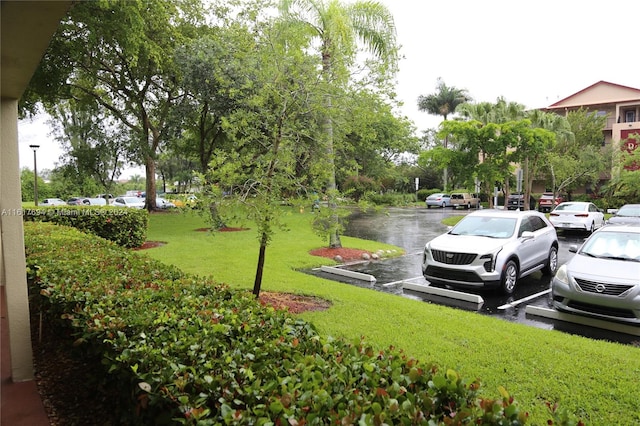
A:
(524, 299)
(402, 281)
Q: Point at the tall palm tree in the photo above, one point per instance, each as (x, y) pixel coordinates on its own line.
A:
(443, 102)
(338, 27)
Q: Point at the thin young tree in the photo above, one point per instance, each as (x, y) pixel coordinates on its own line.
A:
(270, 128)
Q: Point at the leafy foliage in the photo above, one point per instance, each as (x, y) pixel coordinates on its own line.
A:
(125, 227)
(200, 353)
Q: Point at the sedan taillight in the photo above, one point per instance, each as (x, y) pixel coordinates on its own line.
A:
(581, 215)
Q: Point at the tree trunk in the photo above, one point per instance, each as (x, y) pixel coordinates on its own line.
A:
(150, 173)
(263, 248)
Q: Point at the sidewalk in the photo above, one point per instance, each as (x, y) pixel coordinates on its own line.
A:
(21, 403)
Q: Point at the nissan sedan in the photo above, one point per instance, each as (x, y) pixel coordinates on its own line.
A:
(603, 279)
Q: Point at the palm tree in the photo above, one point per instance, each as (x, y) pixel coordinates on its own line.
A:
(338, 27)
(487, 112)
(443, 102)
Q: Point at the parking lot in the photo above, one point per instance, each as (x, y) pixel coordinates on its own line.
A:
(411, 228)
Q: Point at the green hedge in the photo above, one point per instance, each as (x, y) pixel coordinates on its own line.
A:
(126, 227)
(186, 350)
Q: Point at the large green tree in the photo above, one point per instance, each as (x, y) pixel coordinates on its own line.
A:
(583, 159)
(93, 143)
(375, 138)
(338, 27)
(120, 55)
(444, 103)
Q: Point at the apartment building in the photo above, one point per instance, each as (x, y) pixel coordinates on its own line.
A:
(620, 104)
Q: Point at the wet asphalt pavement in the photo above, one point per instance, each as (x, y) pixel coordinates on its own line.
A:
(411, 228)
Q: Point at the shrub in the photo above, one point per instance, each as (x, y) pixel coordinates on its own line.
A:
(391, 199)
(200, 353)
(125, 227)
(357, 186)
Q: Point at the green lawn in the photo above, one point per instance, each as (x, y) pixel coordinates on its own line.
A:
(596, 380)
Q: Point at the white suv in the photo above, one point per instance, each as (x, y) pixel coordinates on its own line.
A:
(492, 248)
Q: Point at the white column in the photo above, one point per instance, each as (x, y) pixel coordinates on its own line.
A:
(12, 259)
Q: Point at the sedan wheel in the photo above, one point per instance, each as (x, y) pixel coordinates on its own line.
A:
(509, 277)
(593, 228)
(552, 262)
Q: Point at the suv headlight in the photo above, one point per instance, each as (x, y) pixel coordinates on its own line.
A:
(490, 260)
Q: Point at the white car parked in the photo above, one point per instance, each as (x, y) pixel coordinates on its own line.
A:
(53, 202)
(492, 248)
(163, 203)
(131, 202)
(577, 215)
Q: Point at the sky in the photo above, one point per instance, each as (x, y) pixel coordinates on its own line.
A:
(534, 53)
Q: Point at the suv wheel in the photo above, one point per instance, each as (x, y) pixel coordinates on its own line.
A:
(552, 262)
(509, 277)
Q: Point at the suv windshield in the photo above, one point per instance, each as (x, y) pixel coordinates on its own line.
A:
(494, 227)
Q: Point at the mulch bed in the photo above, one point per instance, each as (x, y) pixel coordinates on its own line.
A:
(150, 244)
(347, 254)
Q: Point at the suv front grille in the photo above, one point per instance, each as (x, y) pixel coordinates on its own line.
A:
(453, 258)
(448, 274)
(609, 289)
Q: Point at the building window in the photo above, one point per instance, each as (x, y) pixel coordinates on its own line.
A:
(629, 116)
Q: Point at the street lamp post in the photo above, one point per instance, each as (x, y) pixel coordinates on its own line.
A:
(35, 173)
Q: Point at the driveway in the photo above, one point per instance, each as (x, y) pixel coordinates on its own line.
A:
(411, 228)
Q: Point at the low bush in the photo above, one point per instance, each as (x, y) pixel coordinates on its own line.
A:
(125, 227)
(189, 351)
(391, 199)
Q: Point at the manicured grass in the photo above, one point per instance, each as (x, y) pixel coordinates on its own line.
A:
(596, 380)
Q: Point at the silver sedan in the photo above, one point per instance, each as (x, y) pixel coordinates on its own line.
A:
(603, 278)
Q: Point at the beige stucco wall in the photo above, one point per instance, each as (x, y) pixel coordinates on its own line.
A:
(12, 260)
(26, 30)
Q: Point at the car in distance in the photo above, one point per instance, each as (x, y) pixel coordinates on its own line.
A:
(546, 202)
(438, 200)
(53, 202)
(516, 201)
(602, 280)
(464, 200)
(629, 214)
(577, 215)
(492, 249)
(163, 203)
(131, 202)
(77, 201)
